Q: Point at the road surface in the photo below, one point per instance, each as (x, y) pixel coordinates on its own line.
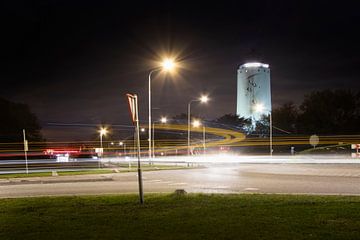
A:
(341, 179)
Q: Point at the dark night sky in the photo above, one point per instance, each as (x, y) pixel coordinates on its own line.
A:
(73, 61)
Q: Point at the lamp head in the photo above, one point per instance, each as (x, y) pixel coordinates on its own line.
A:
(168, 64)
(204, 99)
(103, 131)
(163, 120)
(196, 123)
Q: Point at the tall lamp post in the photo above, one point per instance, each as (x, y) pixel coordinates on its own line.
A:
(124, 145)
(197, 123)
(260, 108)
(102, 132)
(167, 65)
(202, 99)
(162, 120)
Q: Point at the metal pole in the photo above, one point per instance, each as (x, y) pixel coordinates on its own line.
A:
(150, 117)
(153, 141)
(150, 145)
(101, 150)
(189, 128)
(271, 148)
(204, 146)
(141, 192)
(134, 144)
(25, 152)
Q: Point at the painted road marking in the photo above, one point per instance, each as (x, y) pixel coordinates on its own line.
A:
(251, 189)
(152, 181)
(181, 183)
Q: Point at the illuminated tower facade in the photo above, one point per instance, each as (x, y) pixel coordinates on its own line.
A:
(253, 88)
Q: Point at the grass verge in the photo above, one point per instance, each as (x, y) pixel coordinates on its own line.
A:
(92, 171)
(181, 217)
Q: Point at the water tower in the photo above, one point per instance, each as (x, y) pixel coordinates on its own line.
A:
(253, 87)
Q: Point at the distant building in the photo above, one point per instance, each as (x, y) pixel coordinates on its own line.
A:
(253, 89)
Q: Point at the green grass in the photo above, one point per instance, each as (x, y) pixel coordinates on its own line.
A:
(181, 217)
(60, 173)
(338, 148)
(92, 171)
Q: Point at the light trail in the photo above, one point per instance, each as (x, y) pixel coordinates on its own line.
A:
(216, 137)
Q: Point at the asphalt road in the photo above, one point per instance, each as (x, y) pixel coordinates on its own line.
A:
(341, 179)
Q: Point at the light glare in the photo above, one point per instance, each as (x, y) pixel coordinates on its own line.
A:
(196, 123)
(168, 64)
(163, 120)
(259, 107)
(204, 99)
(103, 131)
(256, 64)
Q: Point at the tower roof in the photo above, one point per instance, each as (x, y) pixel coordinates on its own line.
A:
(255, 64)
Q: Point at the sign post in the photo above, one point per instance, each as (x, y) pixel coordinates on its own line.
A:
(26, 148)
(133, 105)
(314, 140)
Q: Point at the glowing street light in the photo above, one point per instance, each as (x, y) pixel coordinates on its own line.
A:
(162, 120)
(167, 65)
(124, 145)
(196, 124)
(102, 132)
(259, 107)
(202, 99)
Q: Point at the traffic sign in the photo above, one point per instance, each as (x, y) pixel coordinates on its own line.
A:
(132, 100)
(314, 140)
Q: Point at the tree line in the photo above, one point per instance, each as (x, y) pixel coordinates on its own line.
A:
(14, 118)
(321, 112)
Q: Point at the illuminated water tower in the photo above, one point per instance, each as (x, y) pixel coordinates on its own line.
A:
(253, 87)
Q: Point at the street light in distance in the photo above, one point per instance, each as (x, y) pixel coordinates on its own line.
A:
(197, 123)
(202, 99)
(259, 107)
(162, 120)
(103, 131)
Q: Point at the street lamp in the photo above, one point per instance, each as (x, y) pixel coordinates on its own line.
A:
(197, 123)
(162, 120)
(202, 99)
(260, 108)
(167, 65)
(103, 132)
(124, 145)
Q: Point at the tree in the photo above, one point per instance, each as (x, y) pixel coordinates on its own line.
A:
(262, 126)
(14, 118)
(181, 116)
(235, 121)
(330, 112)
(285, 117)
